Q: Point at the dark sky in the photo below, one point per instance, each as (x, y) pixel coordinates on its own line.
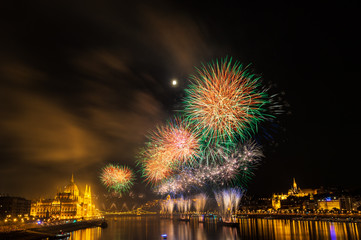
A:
(81, 84)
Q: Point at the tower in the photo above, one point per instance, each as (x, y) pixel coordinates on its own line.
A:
(294, 185)
(88, 207)
(72, 188)
(90, 193)
(87, 195)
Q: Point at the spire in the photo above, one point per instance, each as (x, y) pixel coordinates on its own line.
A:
(72, 178)
(294, 184)
(86, 190)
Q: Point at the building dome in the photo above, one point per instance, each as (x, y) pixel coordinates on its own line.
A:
(72, 187)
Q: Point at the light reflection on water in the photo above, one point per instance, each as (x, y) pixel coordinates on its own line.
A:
(153, 227)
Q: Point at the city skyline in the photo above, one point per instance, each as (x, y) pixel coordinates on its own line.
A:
(82, 87)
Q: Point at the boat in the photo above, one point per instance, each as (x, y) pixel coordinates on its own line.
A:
(61, 235)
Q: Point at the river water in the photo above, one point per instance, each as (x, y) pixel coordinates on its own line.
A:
(152, 227)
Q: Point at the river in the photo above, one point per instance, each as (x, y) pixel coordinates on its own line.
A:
(152, 227)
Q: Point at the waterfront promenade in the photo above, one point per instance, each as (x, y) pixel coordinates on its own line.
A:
(356, 217)
(32, 232)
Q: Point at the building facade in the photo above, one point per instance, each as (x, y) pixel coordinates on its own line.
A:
(314, 199)
(13, 207)
(336, 203)
(294, 193)
(67, 204)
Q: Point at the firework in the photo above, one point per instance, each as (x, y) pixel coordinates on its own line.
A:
(167, 206)
(200, 202)
(184, 206)
(209, 145)
(228, 202)
(156, 168)
(224, 99)
(178, 141)
(230, 168)
(117, 178)
(170, 146)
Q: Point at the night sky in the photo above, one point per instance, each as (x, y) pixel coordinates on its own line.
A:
(81, 84)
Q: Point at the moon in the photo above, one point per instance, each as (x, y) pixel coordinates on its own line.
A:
(174, 82)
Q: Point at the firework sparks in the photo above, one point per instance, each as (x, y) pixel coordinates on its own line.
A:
(184, 206)
(234, 167)
(200, 202)
(178, 141)
(167, 206)
(225, 106)
(228, 202)
(169, 147)
(225, 99)
(117, 178)
(156, 168)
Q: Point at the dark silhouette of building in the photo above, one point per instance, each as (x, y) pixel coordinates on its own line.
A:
(14, 207)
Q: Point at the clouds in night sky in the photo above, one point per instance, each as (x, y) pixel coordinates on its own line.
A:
(106, 124)
(72, 107)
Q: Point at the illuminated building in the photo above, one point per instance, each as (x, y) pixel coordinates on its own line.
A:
(312, 199)
(67, 204)
(295, 192)
(338, 203)
(329, 204)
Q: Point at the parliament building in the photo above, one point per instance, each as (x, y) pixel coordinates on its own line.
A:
(67, 204)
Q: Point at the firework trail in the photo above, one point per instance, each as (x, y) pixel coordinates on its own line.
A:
(167, 205)
(225, 99)
(178, 141)
(200, 202)
(155, 166)
(183, 205)
(231, 168)
(169, 147)
(117, 178)
(228, 201)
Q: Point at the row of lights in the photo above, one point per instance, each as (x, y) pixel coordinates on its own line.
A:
(8, 219)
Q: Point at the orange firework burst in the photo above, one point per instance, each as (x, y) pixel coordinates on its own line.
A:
(177, 141)
(169, 147)
(117, 178)
(225, 99)
(155, 170)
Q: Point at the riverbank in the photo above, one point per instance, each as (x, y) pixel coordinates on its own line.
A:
(309, 217)
(50, 231)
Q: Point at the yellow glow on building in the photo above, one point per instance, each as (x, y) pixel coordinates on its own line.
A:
(67, 204)
(329, 204)
(293, 191)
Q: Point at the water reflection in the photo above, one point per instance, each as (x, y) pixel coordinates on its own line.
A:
(153, 227)
(89, 233)
(303, 230)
